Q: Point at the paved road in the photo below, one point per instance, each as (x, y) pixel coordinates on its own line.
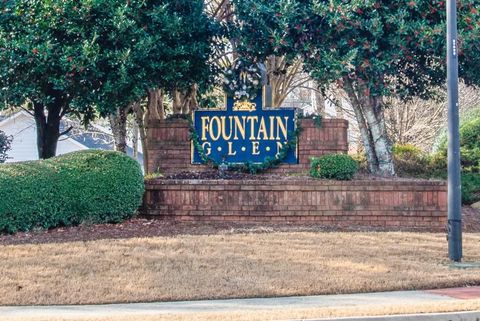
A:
(455, 316)
(343, 300)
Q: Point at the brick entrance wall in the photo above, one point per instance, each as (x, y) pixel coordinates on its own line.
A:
(359, 204)
(170, 150)
(382, 204)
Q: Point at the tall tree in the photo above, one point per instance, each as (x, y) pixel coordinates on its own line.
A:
(85, 56)
(372, 50)
(176, 58)
(46, 61)
(244, 27)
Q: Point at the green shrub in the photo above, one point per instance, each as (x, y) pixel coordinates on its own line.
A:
(5, 145)
(80, 187)
(410, 161)
(333, 166)
(470, 186)
(469, 147)
(406, 151)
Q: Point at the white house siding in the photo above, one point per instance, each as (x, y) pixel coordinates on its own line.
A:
(21, 126)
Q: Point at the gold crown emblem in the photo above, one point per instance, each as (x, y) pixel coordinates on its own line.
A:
(244, 106)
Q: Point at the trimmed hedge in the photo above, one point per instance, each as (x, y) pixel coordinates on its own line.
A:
(81, 187)
(333, 166)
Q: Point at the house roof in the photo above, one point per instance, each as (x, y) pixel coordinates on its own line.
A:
(4, 119)
(92, 137)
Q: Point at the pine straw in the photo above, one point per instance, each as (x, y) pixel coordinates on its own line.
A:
(232, 265)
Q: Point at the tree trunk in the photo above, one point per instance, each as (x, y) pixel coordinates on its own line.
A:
(135, 137)
(319, 105)
(366, 136)
(282, 78)
(371, 122)
(118, 123)
(176, 102)
(47, 120)
(155, 109)
(190, 103)
(185, 102)
(141, 117)
(383, 149)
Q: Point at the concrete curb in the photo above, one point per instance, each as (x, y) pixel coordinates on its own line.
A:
(450, 316)
(340, 301)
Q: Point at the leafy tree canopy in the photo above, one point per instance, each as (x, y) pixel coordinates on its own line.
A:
(46, 54)
(154, 44)
(394, 48)
(75, 56)
(370, 48)
(103, 52)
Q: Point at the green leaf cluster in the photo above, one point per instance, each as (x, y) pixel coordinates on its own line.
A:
(470, 188)
(5, 145)
(101, 54)
(80, 187)
(386, 48)
(411, 161)
(333, 166)
(469, 147)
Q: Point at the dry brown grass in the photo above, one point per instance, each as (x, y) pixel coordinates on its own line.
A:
(228, 265)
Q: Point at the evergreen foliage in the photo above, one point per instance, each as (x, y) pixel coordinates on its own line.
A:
(411, 161)
(333, 166)
(80, 187)
(469, 147)
(80, 57)
(370, 49)
(5, 142)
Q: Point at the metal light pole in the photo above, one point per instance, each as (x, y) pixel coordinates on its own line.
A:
(454, 180)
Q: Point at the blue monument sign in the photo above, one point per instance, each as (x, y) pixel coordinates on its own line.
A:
(244, 131)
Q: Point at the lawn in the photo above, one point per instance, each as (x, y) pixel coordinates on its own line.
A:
(228, 265)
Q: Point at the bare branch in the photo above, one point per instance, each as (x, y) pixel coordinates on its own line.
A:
(66, 131)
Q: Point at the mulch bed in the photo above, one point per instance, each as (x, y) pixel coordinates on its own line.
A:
(471, 219)
(215, 174)
(232, 175)
(140, 227)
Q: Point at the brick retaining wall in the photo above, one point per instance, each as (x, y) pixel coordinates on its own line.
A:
(384, 204)
(170, 148)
